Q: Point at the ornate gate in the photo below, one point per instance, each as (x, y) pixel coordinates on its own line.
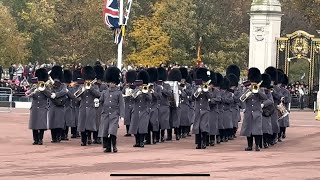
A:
(299, 52)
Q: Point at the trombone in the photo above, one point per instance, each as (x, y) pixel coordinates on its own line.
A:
(204, 88)
(254, 88)
(84, 87)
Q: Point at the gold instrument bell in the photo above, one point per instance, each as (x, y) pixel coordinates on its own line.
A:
(255, 87)
(145, 88)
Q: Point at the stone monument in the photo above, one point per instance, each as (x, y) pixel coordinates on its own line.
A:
(265, 26)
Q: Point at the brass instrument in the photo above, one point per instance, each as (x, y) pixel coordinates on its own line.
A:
(145, 89)
(175, 99)
(87, 85)
(254, 88)
(203, 88)
(136, 93)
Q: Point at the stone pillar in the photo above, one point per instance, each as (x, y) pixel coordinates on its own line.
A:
(265, 27)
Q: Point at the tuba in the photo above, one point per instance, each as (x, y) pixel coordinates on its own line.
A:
(175, 99)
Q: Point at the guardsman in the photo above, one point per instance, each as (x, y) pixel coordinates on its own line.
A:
(113, 110)
(99, 71)
(227, 98)
(276, 94)
(267, 111)
(185, 98)
(214, 111)
(220, 108)
(88, 104)
(39, 107)
(234, 86)
(77, 80)
(286, 100)
(69, 112)
(252, 121)
(202, 97)
(164, 106)
(175, 109)
(57, 102)
(128, 88)
(155, 91)
(141, 109)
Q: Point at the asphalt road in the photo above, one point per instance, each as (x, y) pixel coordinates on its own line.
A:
(298, 157)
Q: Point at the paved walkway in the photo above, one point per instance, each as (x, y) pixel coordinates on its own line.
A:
(298, 157)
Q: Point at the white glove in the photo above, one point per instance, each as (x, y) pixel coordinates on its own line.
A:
(180, 92)
(139, 93)
(67, 90)
(96, 102)
(87, 87)
(83, 89)
(199, 90)
(121, 118)
(262, 105)
(53, 95)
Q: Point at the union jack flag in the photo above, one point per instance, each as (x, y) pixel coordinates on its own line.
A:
(111, 14)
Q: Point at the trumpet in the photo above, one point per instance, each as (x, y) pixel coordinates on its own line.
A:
(254, 88)
(203, 88)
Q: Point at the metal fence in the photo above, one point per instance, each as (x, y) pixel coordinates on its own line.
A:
(6, 99)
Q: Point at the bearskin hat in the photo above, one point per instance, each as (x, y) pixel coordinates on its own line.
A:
(203, 73)
(88, 73)
(42, 74)
(112, 75)
(213, 78)
(131, 76)
(162, 72)
(272, 71)
(225, 84)
(67, 76)
(153, 73)
(266, 80)
(233, 79)
(254, 75)
(98, 69)
(76, 74)
(184, 72)
(174, 75)
(280, 76)
(56, 73)
(219, 80)
(144, 76)
(285, 80)
(233, 69)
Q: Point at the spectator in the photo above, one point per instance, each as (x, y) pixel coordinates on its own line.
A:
(19, 71)
(11, 71)
(1, 72)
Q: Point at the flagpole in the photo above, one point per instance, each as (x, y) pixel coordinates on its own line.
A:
(119, 64)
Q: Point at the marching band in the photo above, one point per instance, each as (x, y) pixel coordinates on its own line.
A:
(154, 102)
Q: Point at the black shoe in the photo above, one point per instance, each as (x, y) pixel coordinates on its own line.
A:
(83, 144)
(141, 145)
(284, 136)
(230, 138)
(78, 135)
(257, 148)
(234, 136)
(189, 134)
(265, 145)
(73, 136)
(207, 143)
(177, 137)
(127, 135)
(54, 141)
(203, 146)
(35, 143)
(115, 150)
(148, 142)
(198, 146)
(136, 145)
(162, 139)
(169, 139)
(40, 142)
(211, 143)
(107, 150)
(279, 140)
(89, 142)
(184, 135)
(248, 149)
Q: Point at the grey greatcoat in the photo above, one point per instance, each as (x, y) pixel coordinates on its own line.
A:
(164, 107)
(235, 107)
(129, 102)
(220, 110)
(252, 121)
(76, 103)
(202, 112)
(101, 87)
(274, 118)
(284, 122)
(112, 104)
(214, 112)
(154, 107)
(38, 111)
(185, 105)
(266, 121)
(140, 114)
(69, 108)
(56, 113)
(227, 99)
(87, 111)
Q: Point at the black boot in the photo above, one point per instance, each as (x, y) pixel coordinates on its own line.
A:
(53, 136)
(127, 129)
(204, 140)
(212, 140)
(184, 132)
(169, 135)
(250, 143)
(73, 132)
(41, 132)
(198, 141)
(235, 132)
(148, 138)
(83, 138)
(141, 140)
(35, 137)
(257, 140)
(188, 131)
(154, 137)
(114, 143)
(208, 140)
(58, 135)
(162, 135)
(284, 133)
(137, 137)
(230, 134)
(178, 133)
(89, 137)
(158, 136)
(107, 144)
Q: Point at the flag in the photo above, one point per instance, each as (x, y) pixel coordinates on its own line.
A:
(111, 13)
